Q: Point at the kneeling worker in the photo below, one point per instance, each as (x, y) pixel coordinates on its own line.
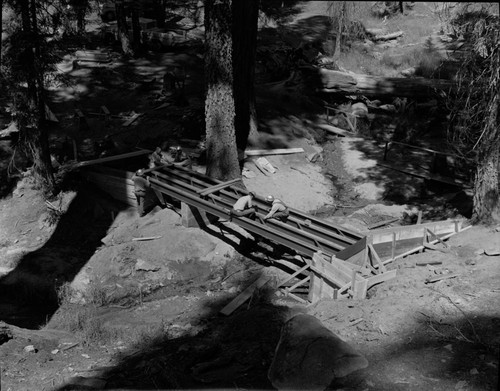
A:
(141, 184)
(243, 207)
(279, 210)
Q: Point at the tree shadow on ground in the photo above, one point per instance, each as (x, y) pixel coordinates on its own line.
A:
(229, 352)
(29, 293)
(236, 351)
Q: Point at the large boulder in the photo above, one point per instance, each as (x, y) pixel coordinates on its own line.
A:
(310, 357)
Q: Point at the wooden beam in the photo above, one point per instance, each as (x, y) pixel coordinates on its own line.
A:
(377, 259)
(283, 151)
(301, 270)
(108, 159)
(217, 187)
(413, 231)
(414, 250)
(381, 277)
(382, 223)
(245, 295)
(436, 237)
(131, 120)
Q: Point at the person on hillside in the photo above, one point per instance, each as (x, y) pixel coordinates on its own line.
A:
(243, 207)
(279, 210)
(141, 186)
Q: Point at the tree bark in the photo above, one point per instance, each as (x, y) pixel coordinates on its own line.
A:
(35, 135)
(1, 29)
(123, 28)
(487, 180)
(136, 27)
(245, 18)
(222, 158)
(160, 12)
(338, 38)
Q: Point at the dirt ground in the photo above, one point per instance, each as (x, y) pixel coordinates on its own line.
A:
(99, 310)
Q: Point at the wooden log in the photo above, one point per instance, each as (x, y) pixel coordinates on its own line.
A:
(329, 81)
(263, 152)
(387, 37)
(333, 129)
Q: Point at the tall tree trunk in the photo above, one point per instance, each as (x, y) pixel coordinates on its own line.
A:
(222, 158)
(123, 28)
(245, 18)
(160, 12)
(336, 53)
(1, 29)
(35, 135)
(136, 27)
(487, 181)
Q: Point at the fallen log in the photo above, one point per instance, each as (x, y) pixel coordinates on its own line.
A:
(329, 81)
(388, 37)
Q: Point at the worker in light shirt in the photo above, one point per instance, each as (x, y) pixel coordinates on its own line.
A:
(243, 207)
(279, 210)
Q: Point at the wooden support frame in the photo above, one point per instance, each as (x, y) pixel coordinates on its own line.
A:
(352, 125)
(219, 186)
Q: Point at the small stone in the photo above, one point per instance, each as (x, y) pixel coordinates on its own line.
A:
(85, 356)
(30, 349)
(449, 347)
(55, 351)
(38, 238)
(474, 371)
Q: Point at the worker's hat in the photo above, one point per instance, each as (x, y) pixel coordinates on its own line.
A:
(252, 194)
(269, 198)
(140, 172)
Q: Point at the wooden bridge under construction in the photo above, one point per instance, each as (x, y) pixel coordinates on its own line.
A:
(326, 260)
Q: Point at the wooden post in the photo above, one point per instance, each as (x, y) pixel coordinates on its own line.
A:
(419, 219)
(107, 115)
(393, 246)
(75, 153)
(386, 149)
(82, 121)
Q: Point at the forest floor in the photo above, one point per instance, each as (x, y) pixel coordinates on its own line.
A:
(98, 310)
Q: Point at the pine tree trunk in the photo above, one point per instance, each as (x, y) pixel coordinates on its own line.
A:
(245, 17)
(160, 12)
(1, 29)
(123, 29)
(336, 53)
(35, 135)
(136, 27)
(486, 194)
(222, 158)
(487, 181)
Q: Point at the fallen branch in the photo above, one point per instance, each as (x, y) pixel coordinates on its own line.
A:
(146, 238)
(439, 278)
